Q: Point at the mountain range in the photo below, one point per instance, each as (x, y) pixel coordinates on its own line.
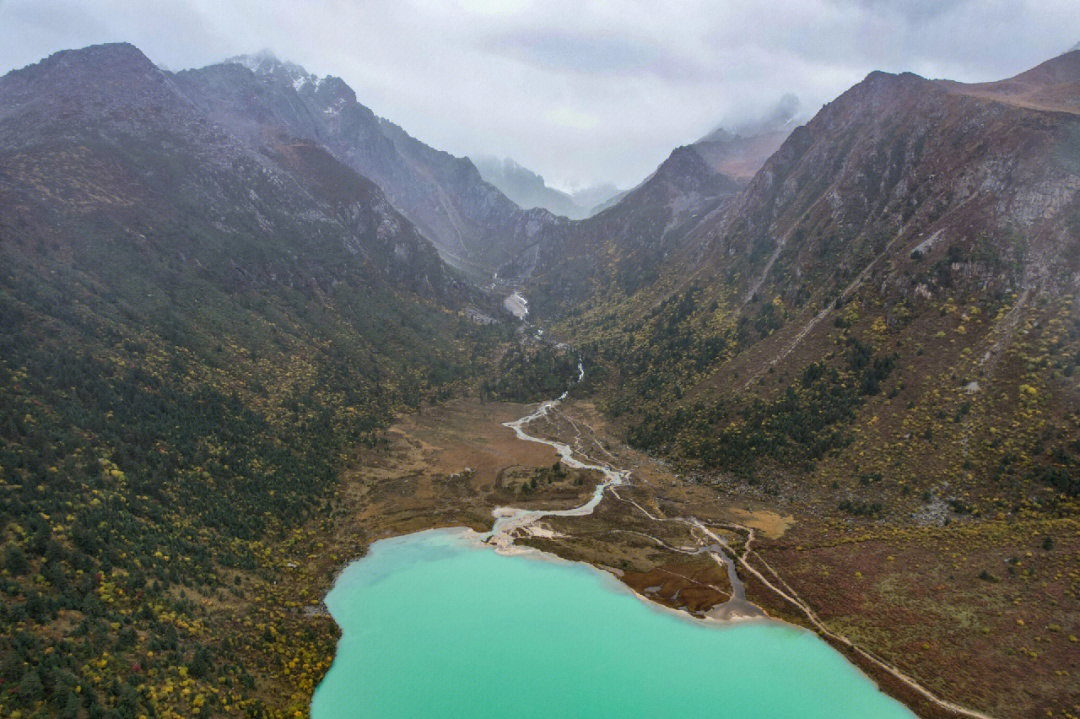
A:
(217, 284)
(736, 153)
(472, 225)
(880, 329)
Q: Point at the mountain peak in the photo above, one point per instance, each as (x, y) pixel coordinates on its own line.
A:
(334, 87)
(884, 88)
(719, 134)
(265, 63)
(782, 115)
(254, 60)
(89, 80)
(880, 77)
(109, 57)
(108, 50)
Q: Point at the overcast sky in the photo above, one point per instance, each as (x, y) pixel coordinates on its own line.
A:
(581, 92)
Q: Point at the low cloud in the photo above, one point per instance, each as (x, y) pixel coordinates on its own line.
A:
(579, 91)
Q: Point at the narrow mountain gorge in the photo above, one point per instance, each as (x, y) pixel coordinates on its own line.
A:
(626, 245)
(528, 190)
(227, 293)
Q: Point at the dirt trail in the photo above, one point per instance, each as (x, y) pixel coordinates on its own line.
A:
(789, 595)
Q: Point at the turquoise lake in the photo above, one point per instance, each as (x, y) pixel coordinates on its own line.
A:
(435, 626)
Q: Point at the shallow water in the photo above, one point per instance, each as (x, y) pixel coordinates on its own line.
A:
(435, 625)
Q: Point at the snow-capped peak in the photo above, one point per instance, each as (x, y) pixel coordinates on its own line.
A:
(266, 64)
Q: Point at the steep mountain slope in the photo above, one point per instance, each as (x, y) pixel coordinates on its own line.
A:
(900, 194)
(623, 248)
(107, 144)
(199, 323)
(626, 246)
(880, 333)
(473, 225)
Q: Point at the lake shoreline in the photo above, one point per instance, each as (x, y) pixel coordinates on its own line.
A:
(596, 583)
(565, 543)
(780, 614)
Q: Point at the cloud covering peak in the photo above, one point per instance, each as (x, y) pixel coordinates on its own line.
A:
(580, 91)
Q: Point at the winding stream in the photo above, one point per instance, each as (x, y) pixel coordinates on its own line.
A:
(511, 520)
(508, 520)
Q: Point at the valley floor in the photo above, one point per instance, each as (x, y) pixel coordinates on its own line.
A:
(978, 614)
